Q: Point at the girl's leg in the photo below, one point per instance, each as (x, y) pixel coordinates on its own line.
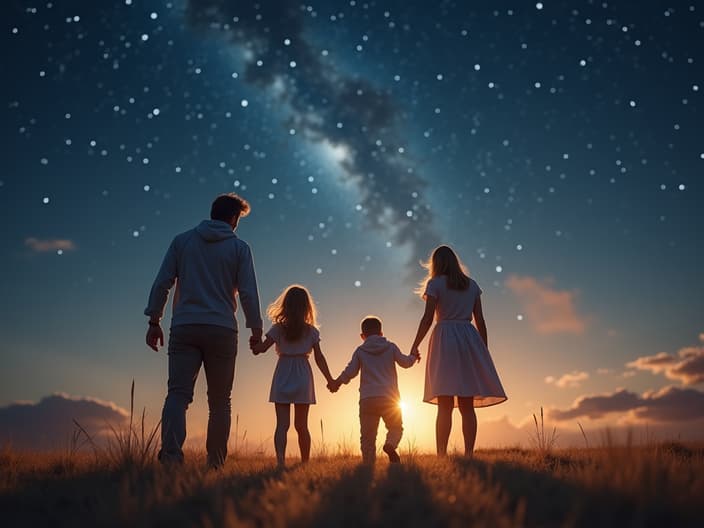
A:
(283, 422)
(469, 424)
(443, 424)
(300, 422)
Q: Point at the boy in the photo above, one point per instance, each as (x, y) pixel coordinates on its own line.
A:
(378, 388)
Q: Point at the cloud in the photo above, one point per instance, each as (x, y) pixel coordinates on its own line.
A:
(571, 379)
(346, 114)
(48, 424)
(503, 432)
(690, 369)
(657, 363)
(598, 406)
(549, 310)
(670, 404)
(687, 366)
(40, 245)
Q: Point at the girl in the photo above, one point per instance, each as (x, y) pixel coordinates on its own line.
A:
(458, 363)
(295, 334)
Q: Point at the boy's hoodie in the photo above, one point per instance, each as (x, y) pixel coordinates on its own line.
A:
(376, 358)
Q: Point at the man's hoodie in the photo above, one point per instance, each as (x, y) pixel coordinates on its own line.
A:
(210, 265)
(376, 358)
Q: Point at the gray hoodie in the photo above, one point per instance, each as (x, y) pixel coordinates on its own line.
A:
(376, 358)
(210, 265)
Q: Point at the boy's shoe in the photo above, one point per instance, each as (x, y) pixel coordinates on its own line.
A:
(391, 452)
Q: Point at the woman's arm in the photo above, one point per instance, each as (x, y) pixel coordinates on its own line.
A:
(263, 346)
(479, 320)
(322, 364)
(425, 323)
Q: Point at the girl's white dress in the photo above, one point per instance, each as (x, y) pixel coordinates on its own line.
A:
(458, 364)
(293, 377)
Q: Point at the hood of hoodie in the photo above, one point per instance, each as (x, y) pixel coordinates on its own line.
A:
(375, 345)
(214, 230)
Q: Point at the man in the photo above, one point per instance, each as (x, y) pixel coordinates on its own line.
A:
(209, 265)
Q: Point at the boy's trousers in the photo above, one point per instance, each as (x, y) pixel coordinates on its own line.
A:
(370, 410)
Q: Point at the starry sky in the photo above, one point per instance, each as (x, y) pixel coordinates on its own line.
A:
(557, 146)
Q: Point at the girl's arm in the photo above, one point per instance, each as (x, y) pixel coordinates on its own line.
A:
(263, 346)
(425, 323)
(479, 320)
(322, 364)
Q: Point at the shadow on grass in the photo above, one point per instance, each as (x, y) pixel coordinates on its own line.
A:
(551, 501)
(57, 499)
(394, 495)
(212, 499)
(177, 496)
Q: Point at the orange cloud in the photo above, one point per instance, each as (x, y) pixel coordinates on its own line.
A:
(571, 379)
(549, 310)
(39, 245)
(669, 404)
(687, 366)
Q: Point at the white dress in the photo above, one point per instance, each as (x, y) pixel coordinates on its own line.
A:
(293, 377)
(458, 364)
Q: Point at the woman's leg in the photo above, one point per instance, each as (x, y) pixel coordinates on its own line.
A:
(283, 422)
(469, 424)
(300, 422)
(443, 423)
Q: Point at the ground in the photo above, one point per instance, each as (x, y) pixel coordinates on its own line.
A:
(657, 485)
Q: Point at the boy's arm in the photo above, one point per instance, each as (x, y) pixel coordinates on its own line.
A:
(351, 370)
(405, 361)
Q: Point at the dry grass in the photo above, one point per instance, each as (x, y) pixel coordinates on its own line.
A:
(129, 447)
(542, 441)
(658, 485)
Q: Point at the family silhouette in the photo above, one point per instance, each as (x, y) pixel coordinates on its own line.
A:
(212, 269)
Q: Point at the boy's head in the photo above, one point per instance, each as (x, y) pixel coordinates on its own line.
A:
(371, 326)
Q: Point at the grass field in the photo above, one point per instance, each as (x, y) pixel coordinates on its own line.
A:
(659, 485)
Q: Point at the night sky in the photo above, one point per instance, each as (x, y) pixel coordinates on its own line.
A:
(557, 146)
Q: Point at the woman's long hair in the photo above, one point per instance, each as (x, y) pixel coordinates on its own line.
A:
(444, 261)
(294, 310)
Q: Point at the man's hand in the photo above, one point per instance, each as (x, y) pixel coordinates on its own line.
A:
(255, 338)
(334, 385)
(155, 337)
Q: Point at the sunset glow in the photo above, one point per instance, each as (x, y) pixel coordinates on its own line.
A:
(558, 150)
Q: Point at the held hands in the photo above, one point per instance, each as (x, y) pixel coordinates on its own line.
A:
(155, 337)
(334, 385)
(255, 341)
(256, 348)
(415, 352)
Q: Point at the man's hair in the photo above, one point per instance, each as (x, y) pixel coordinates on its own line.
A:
(371, 325)
(228, 205)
